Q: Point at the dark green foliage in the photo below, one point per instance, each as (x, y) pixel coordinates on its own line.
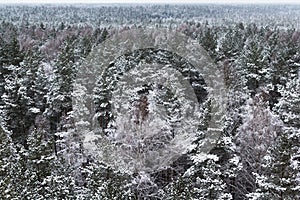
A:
(60, 94)
(24, 95)
(9, 169)
(42, 154)
(208, 40)
(180, 188)
(103, 182)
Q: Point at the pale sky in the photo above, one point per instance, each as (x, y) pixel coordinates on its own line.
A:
(152, 1)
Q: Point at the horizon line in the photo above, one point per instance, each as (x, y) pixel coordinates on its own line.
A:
(154, 3)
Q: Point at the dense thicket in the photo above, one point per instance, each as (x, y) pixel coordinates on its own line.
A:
(41, 151)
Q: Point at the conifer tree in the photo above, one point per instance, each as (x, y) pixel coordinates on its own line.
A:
(9, 168)
(39, 160)
(60, 94)
(280, 179)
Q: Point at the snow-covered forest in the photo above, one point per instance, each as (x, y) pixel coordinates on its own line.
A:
(142, 130)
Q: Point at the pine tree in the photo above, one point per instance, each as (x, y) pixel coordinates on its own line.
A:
(102, 182)
(9, 168)
(60, 95)
(180, 188)
(207, 175)
(39, 160)
(34, 81)
(280, 179)
(208, 40)
(61, 183)
(254, 64)
(10, 53)
(24, 96)
(231, 43)
(14, 109)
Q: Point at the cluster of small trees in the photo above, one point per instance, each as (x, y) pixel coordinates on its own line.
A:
(257, 156)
